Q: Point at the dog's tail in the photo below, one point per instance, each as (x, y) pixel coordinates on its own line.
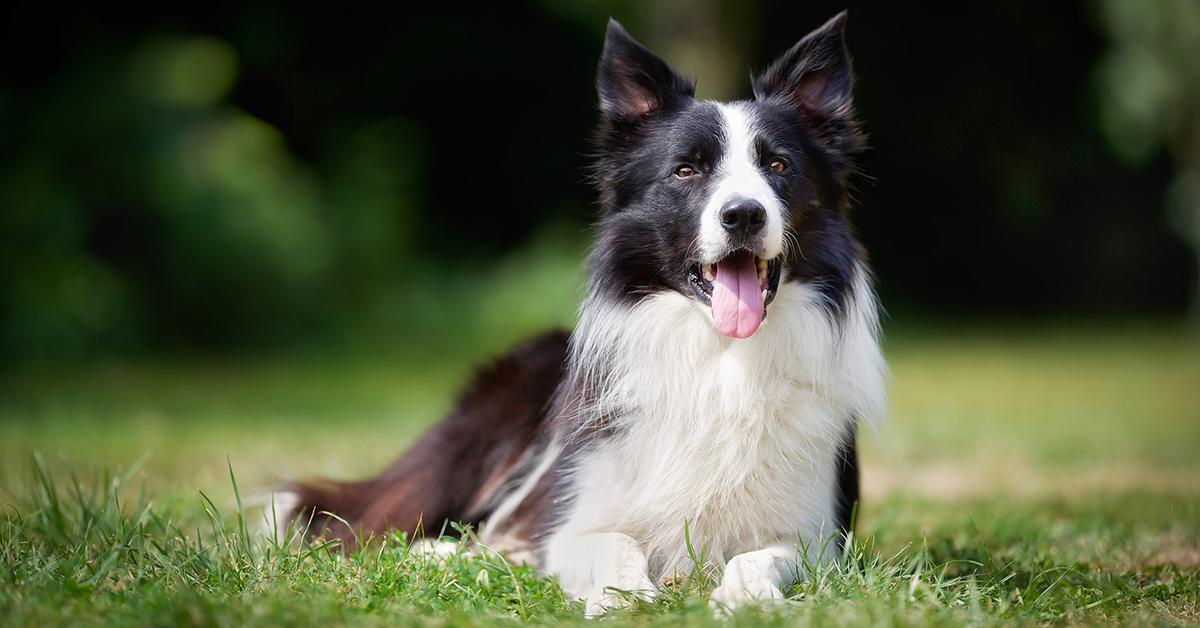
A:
(321, 508)
(453, 472)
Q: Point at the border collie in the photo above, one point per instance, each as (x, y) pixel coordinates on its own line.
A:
(677, 406)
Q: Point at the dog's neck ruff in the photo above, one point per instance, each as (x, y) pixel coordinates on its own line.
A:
(678, 423)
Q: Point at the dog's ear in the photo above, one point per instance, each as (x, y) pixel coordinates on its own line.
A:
(814, 75)
(633, 82)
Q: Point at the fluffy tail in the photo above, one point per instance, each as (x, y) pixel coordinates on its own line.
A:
(454, 470)
(313, 508)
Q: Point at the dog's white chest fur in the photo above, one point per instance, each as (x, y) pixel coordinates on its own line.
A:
(735, 438)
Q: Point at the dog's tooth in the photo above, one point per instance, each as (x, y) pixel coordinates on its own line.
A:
(708, 272)
(762, 264)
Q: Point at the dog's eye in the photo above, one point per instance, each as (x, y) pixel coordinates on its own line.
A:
(778, 165)
(685, 171)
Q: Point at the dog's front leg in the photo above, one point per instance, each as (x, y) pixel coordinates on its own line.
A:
(600, 567)
(757, 575)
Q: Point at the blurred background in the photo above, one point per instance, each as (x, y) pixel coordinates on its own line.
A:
(235, 232)
(254, 240)
(249, 177)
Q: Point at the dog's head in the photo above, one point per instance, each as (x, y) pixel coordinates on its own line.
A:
(719, 201)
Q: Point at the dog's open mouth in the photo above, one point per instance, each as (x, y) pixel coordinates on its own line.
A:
(738, 288)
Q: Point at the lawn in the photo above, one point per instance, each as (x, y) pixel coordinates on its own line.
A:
(1045, 475)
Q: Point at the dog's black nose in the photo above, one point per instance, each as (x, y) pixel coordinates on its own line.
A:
(743, 217)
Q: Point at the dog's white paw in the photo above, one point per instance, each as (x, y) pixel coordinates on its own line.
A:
(607, 570)
(747, 579)
(603, 599)
(436, 550)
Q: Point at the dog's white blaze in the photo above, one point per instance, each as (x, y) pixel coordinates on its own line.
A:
(739, 175)
(737, 438)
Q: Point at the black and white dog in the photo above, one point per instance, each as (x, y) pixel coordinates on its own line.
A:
(677, 401)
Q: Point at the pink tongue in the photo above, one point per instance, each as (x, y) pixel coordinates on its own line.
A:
(737, 302)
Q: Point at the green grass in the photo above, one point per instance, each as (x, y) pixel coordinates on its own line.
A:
(1044, 476)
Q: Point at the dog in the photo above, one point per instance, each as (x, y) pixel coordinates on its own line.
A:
(725, 354)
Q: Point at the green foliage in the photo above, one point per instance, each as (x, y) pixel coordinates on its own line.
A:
(1150, 75)
(83, 552)
(208, 218)
(1150, 88)
(140, 208)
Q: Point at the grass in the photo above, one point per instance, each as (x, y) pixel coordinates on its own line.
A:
(1025, 476)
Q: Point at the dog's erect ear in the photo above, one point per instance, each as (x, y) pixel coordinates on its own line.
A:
(814, 75)
(633, 82)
